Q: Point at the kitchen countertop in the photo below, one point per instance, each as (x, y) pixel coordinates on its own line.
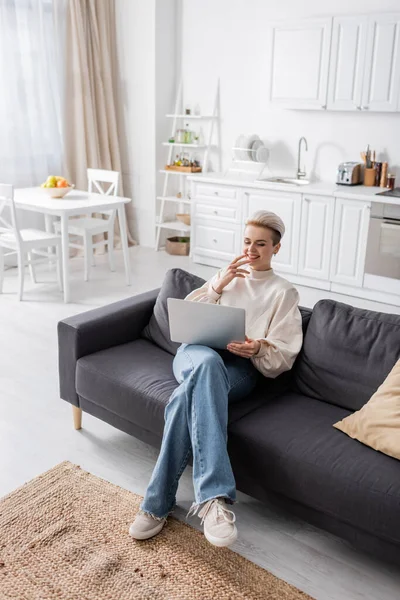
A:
(356, 192)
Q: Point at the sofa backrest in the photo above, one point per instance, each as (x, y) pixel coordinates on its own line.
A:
(284, 381)
(347, 353)
(305, 317)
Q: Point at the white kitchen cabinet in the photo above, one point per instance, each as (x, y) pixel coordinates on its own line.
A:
(299, 62)
(288, 207)
(217, 202)
(216, 223)
(317, 216)
(382, 64)
(325, 243)
(349, 244)
(336, 63)
(215, 244)
(347, 63)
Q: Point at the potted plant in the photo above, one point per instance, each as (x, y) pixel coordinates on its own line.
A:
(178, 245)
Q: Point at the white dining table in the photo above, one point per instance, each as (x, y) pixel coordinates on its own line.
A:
(75, 203)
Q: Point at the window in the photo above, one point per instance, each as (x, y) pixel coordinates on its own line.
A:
(31, 47)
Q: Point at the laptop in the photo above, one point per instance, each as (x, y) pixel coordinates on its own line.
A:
(210, 325)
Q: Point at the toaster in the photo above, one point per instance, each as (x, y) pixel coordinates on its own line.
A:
(349, 173)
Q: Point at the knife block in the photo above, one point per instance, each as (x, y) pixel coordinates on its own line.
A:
(369, 176)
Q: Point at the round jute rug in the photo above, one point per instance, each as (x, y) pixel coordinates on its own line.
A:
(64, 535)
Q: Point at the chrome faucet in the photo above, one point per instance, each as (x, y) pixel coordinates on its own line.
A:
(300, 173)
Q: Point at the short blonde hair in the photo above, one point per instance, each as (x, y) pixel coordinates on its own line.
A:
(268, 220)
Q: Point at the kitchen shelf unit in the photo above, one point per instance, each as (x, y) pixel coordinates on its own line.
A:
(174, 199)
(175, 116)
(213, 133)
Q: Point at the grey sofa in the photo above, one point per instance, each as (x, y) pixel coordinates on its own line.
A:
(281, 440)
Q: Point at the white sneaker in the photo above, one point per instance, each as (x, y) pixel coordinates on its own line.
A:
(219, 522)
(145, 526)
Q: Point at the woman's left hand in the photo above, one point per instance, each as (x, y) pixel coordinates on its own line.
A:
(245, 349)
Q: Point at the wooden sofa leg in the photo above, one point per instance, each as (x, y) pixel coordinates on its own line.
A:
(77, 414)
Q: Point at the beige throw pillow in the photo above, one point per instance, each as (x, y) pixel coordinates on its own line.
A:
(377, 424)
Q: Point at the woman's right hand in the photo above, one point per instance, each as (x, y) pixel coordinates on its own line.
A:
(232, 271)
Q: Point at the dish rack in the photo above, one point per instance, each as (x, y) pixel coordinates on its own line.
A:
(249, 157)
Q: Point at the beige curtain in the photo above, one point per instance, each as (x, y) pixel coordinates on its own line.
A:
(91, 135)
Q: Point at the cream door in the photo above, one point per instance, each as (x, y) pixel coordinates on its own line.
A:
(299, 62)
(346, 70)
(382, 64)
(288, 207)
(350, 234)
(317, 214)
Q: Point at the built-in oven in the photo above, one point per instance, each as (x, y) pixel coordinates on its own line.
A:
(383, 247)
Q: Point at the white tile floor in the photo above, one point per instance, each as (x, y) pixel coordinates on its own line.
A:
(36, 433)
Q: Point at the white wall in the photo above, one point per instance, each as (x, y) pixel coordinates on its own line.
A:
(167, 66)
(135, 23)
(226, 39)
(146, 50)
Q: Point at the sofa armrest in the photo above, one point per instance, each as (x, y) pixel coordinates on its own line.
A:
(96, 330)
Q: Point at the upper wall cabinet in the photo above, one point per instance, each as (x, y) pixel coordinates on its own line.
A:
(299, 62)
(382, 64)
(346, 69)
(344, 63)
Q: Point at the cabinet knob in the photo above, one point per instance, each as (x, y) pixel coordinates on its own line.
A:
(323, 106)
(215, 212)
(216, 193)
(358, 107)
(214, 240)
(364, 107)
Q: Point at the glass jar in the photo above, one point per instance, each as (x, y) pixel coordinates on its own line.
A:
(188, 135)
(180, 136)
(390, 181)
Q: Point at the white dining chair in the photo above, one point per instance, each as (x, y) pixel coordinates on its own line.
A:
(87, 227)
(25, 243)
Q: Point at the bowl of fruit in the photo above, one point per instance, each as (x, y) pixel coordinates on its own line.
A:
(56, 187)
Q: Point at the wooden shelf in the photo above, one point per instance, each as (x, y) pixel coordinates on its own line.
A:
(174, 199)
(184, 173)
(175, 225)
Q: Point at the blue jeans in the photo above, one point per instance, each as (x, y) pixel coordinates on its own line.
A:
(196, 421)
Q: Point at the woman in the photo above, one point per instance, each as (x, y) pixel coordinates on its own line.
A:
(196, 416)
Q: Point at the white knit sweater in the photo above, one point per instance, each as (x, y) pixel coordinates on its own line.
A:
(272, 315)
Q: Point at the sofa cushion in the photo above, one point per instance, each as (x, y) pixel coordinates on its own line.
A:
(347, 353)
(290, 447)
(377, 423)
(134, 381)
(177, 284)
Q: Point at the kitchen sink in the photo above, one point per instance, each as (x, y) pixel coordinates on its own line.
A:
(285, 180)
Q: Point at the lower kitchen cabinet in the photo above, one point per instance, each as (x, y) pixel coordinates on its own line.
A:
(325, 242)
(317, 216)
(349, 244)
(214, 243)
(288, 206)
